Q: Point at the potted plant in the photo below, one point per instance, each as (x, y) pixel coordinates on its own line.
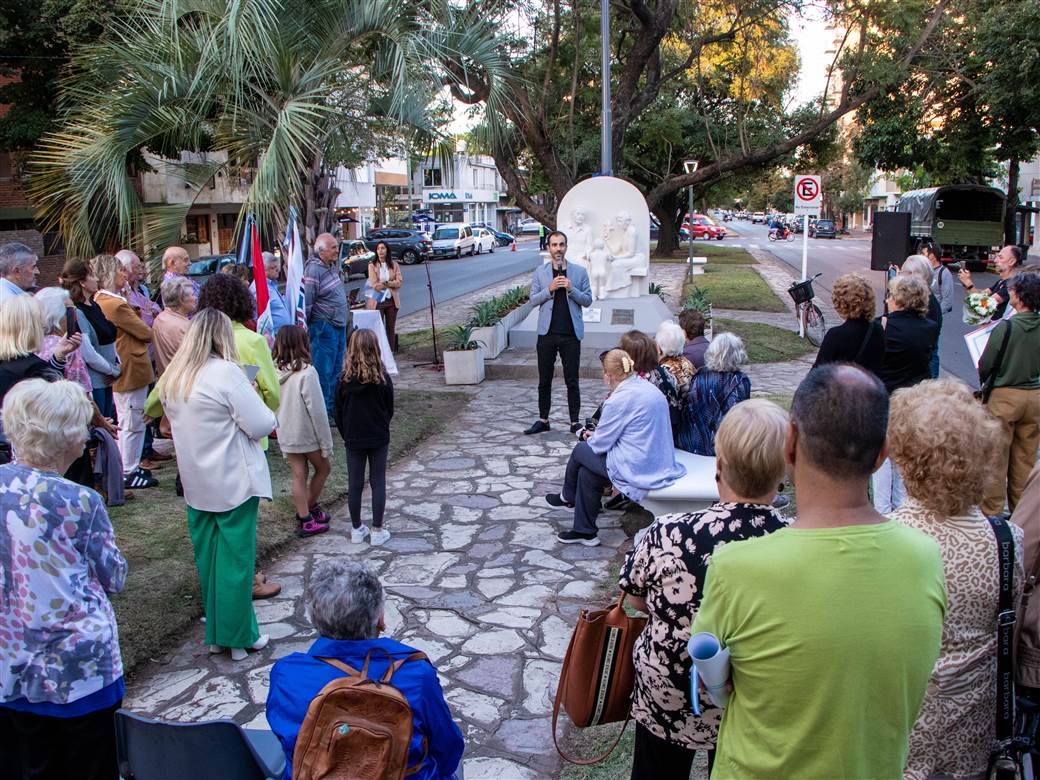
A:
(487, 327)
(517, 306)
(695, 300)
(463, 357)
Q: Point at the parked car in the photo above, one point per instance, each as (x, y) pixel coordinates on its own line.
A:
(484, 240)
(714, 229)
(758, 217)
(528, 225)
(824, 229)
(502, 238)
(200, 270)
(406, 246)
(454, 239)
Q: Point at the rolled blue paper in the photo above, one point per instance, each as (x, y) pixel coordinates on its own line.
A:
(711, 664)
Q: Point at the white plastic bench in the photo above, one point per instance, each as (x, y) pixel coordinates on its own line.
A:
(696, 490)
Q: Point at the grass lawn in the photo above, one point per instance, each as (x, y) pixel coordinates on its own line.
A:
(161, 597)
(716, 253)
(736, 287)
(765, 343)
(418, 345)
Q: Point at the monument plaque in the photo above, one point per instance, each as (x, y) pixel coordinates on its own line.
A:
(623, 317)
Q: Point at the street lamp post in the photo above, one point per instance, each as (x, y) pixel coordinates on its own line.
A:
(690, 166)
(607, 132)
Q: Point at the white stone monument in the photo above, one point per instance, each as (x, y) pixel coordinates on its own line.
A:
(607, 224)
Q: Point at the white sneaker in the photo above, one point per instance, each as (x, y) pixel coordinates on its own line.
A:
(359, 534)
(239, 653)
(380, 536)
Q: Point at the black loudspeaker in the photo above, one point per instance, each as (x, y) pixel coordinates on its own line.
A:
(891, 244)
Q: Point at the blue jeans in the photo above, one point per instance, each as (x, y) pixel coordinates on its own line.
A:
(328, 343)
(105, 401)
(933, 364)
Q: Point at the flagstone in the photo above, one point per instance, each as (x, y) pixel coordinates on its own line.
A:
(217, 697)
(475, 706)
(556, 635)
(497, 769)
(164, 687)
(531, 596)
(540, 679)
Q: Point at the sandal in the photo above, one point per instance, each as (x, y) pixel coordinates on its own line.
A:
(309, 527)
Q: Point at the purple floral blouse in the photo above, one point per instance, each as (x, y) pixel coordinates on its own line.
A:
(58, 565)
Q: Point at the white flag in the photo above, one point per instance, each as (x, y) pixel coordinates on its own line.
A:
(294, 298)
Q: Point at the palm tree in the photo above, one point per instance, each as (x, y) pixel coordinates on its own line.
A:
(286, 89)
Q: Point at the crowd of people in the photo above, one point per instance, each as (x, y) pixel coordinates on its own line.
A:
(862, 631)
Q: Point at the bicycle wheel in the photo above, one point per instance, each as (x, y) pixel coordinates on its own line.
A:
(814, 325)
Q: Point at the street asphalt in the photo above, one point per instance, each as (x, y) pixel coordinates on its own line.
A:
(834, 257)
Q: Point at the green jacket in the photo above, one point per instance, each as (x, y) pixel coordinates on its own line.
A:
(1021, 364)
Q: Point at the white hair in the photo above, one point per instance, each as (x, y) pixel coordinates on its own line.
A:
(670, 338)
(52, 307)
(919, 266)
(14, 255)
(174, 290)
(270, 258)
(345, 600)
(725, 353)
(45, 420)
(126, 257)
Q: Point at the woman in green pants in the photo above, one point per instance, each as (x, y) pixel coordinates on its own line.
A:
(218, 421)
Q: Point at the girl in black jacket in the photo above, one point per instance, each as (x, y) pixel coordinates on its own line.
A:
(364, 407)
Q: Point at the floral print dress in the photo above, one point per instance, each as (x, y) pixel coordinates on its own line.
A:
(668, 568)
(58, 564)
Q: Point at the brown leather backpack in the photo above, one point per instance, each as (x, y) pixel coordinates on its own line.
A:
(357, 728)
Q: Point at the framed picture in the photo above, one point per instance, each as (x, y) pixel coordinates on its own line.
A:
(977, 339)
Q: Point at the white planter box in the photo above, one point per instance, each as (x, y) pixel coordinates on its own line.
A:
(465, 367)
(517, 315)
(493, 338)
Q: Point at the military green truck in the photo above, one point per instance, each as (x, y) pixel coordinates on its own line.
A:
(967, 219)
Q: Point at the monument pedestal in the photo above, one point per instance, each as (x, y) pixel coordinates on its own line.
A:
(605, 321)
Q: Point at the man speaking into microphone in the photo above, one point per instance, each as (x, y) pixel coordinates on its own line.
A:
(560, 290)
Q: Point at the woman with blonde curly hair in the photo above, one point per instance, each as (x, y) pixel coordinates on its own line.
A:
(955, 728)
(859, 339)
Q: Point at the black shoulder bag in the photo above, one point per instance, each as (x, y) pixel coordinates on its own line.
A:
(1005, 758)
(987, 386)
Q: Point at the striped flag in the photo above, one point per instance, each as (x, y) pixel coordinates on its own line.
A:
(294, 297)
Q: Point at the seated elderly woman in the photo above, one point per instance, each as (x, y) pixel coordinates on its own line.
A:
(713, 392)
(61, 676)
(670, 342)
(665, 573)
(345, 601)
(955, 729)
(631, 449)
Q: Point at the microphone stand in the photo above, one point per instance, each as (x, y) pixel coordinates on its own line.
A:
(435, 364)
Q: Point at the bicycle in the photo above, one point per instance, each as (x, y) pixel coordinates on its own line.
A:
(808, 314)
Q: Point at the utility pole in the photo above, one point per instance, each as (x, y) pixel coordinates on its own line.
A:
(607, 152)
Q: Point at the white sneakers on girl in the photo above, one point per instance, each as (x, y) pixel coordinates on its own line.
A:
(239, 653)
(359, 534)
(380, 536)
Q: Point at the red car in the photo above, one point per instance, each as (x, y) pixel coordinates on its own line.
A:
(703, 227)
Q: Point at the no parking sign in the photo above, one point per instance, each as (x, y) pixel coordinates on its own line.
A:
(808, 195)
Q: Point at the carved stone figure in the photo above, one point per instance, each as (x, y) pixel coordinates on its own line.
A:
(621, 239)
(599, 269)
(579, 238)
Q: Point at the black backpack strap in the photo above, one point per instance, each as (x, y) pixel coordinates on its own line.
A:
(866, 339)
(1005, 632)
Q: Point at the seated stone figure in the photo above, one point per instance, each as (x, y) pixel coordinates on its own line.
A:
(345, 603)
(622, 240)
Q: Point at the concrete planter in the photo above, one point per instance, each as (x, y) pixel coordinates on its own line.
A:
(493, 338)
(464, 367)
(516, 316)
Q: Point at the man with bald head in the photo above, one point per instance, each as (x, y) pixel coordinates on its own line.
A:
(327, 313)
(175, 262)
(834, 623)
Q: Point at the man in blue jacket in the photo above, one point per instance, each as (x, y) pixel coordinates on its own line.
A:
(345, 603)
(560, 290)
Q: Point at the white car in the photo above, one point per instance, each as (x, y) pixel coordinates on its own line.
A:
(485, 240)
(529, 225)
(454, 239)
(758, 217)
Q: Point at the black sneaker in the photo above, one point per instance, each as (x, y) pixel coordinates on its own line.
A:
(575, 427)
(620, 501)
(137, 480)
(573, 537)
(555, 499)
(538, 427)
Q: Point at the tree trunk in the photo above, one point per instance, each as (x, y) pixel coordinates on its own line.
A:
(668, 236)
(1012, 203)
(319, 199)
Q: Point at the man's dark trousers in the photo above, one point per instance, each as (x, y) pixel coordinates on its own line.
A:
(583, 484)
(569, 350)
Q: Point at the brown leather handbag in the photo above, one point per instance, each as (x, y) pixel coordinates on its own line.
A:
(598, 672)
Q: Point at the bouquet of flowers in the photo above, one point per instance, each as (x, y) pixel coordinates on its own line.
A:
(979, 308)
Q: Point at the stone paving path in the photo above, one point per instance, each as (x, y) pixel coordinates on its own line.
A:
(474, 578)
